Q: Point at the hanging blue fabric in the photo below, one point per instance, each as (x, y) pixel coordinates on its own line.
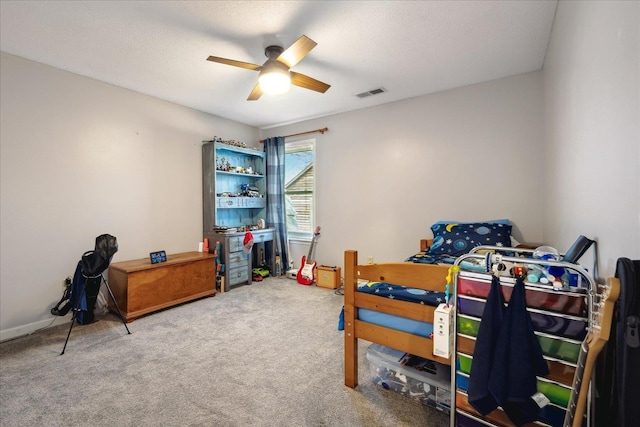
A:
(517, 361)
(488, 332)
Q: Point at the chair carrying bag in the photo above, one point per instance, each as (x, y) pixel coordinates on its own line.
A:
(618, 374)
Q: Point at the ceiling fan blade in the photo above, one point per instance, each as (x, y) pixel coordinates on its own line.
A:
(308, 82)
(256, 93)
(235, 63)
(297, 51)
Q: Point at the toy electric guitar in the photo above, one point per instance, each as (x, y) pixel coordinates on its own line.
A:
(589, 350)
(307, 265)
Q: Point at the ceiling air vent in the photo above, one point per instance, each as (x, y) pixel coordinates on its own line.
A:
(370, 92)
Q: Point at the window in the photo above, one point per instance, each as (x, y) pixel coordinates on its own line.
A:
(299, 187)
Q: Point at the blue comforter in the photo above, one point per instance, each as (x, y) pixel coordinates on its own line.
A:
(403, 293)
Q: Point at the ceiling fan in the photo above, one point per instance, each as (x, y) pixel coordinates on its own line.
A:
(275, 74)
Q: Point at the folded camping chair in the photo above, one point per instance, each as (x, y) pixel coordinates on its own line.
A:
(87, 279)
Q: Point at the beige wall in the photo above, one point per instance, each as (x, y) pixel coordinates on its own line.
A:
(592, 130)
(81, 158)
(556, 151)
(386, 173)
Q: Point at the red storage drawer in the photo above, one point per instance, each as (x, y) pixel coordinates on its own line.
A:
(573, 303)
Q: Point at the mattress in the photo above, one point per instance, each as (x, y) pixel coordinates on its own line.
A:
(402, 293)
(471, 264)
(425, 257)
(391, 321)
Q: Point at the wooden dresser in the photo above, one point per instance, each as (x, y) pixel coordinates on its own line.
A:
(140, 287)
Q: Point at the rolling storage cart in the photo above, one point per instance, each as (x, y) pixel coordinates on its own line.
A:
(561, 319)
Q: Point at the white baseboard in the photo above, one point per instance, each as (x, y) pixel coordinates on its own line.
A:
(18, 331)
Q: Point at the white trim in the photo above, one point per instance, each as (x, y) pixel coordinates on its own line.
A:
(300, 239)
(30, 328)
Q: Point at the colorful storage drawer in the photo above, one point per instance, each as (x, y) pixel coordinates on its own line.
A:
(551, 323)
(464, 420)
(560, 320)
(557, 348)
(573, 303)
(550, 414)
(559, 371)
(556, 393)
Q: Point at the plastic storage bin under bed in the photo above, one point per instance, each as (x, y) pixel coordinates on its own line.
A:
(424, 380)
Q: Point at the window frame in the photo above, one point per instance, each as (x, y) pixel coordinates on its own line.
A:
(311, 142)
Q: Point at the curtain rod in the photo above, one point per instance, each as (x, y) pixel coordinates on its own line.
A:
(322, 130)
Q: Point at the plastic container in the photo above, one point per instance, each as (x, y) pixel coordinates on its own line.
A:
(547, 253)
(424, 380)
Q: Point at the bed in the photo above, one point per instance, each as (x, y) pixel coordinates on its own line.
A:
(361, 309)
(559, 316)
(452, 239)
(403, 324)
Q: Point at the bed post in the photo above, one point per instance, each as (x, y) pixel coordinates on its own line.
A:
(350, 340)
(425, 244)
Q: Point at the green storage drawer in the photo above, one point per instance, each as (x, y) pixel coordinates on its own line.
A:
(557, 348)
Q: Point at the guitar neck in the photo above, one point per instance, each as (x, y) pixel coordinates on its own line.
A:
(589, 351)
(313, 245)
(310, 254)
(577, 390)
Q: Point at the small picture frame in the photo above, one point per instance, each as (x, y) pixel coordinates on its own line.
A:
(156, 257)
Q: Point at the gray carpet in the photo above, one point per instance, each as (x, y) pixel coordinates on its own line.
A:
(268, 354)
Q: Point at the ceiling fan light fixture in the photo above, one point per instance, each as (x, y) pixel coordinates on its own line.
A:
(274, 78)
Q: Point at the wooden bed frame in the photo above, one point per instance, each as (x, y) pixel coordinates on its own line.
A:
(422, 276)
(425, 244)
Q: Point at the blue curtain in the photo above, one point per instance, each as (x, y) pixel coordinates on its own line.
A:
(274, 149)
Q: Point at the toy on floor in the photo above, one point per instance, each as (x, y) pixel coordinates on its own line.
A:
(260, 273)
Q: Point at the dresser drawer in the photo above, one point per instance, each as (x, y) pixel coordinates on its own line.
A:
(235, 244)
(262, 236)
(238, 275)
(238, 260)
(254, 202)
(228, 202)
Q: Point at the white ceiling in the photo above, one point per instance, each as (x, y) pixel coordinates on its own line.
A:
(159, 48)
